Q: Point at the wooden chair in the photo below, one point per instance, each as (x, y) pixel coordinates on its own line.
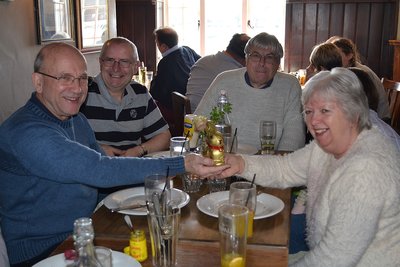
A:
(181, 107)
(392, 89)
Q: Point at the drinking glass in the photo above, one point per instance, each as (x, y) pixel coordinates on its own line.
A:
(232, 221)
(191, 183)
(149, 76)
(155, 184)
(179, 145)
(104, 256)
(302, 76)
(164, 231)
(216, 185)
(267, 136)
(231, 144)
(244, 194)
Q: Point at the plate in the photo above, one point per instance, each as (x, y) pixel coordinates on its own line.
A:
(159, 154)
(246, 149)
(136, 195)
(119, 259)
(267, 205)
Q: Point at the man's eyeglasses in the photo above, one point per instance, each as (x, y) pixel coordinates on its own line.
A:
(67, 79)
(256, 58)
(109, 62)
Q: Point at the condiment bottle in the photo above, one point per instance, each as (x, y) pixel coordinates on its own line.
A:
(83, 236)
(138, 245)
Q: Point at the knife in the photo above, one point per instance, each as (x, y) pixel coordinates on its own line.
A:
(129, 207)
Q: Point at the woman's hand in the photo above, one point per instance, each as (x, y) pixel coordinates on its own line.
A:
(236, 165)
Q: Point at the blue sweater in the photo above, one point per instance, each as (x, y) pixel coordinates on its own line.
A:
(49, 174)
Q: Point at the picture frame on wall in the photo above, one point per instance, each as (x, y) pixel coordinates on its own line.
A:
(54, 21)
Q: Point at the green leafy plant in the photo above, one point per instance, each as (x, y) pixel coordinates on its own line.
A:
(216, 114)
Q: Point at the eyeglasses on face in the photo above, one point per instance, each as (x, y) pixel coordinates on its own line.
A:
(109, 62)
(256, 58)
(67, 79)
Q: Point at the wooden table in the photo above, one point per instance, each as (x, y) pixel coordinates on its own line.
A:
(199, 238)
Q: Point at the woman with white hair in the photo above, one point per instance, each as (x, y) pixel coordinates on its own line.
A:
(351, 172)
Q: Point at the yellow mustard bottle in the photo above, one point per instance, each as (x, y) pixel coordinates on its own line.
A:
(138, 245)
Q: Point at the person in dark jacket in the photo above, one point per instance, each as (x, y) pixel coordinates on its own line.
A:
(172, 70)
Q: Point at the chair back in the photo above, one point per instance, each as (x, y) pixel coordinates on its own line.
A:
(3, 253)
(181, 107)
(392, 89)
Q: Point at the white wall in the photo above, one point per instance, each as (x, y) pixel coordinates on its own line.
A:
(18, 49)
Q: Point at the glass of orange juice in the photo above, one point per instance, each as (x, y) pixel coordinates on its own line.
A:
(232, 222)
(245, 194)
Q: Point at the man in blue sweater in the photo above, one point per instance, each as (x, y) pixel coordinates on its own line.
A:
(51, 164)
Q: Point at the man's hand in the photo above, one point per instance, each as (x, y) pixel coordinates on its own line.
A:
(112, 151)
(136, 151)
(202, 166)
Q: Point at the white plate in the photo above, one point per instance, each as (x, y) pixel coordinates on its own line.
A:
(246, 149)
(136, 195)
(159, 154)
(267, 205)
(119, 259)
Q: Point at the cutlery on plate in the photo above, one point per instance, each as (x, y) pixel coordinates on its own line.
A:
(129, 207)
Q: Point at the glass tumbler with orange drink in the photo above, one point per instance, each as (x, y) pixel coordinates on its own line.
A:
(232, 222)
(245, 194)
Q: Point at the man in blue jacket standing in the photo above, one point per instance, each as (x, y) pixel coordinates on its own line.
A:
(172, 70)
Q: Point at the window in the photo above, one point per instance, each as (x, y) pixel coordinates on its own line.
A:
(94, 22)
(206, 26)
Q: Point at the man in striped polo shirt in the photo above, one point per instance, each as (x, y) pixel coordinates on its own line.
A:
(122, 113)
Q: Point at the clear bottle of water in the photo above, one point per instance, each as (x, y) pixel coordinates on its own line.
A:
(83, 236)
(224, 124)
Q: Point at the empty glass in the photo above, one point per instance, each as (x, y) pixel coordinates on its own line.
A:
(191, 183)
(155, 184)
(179, 145)
(216, 185)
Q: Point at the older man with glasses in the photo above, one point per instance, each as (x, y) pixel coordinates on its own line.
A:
(259, 92)
(122, 113)
(51, 165)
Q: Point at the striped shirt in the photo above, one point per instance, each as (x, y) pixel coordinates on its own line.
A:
(126, 124)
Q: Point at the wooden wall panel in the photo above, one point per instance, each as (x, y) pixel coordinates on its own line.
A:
(349, 16)
(309, 26)
(324, 22)
(369, 23)
(375, 35)
(136, 21)
(337, 19)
